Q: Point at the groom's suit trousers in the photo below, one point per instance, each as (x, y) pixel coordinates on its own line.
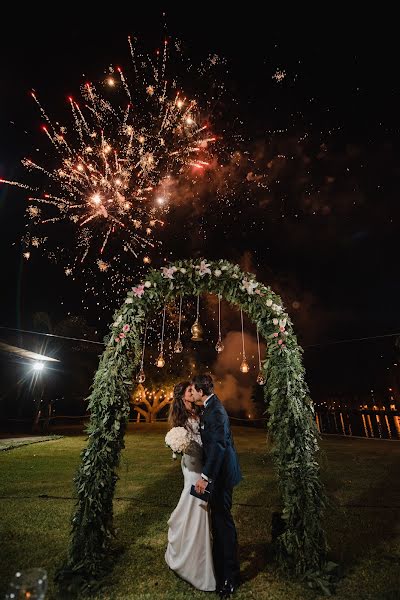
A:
(225, 546)
(221, 466)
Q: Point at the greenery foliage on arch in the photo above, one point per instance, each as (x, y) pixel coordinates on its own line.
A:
(302, 545)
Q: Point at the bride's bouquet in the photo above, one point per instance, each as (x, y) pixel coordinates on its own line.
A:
(178, 440)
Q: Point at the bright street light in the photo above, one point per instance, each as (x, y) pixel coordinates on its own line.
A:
(38, 366)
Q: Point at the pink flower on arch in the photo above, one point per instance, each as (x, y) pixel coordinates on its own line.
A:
(126, 328)
(204, 268)
(275, 334)
(138, 291)
(168, 272)
(281, 328)
(116, 339)
(280, 342)
(122, 335)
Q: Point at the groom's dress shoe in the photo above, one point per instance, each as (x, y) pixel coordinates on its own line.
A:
(226, 590)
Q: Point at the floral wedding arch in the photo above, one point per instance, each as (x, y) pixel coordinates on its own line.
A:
(301, 547)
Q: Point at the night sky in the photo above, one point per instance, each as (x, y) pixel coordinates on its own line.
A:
(323, 232)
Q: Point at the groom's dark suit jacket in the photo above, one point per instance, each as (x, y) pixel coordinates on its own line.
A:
(220, 460)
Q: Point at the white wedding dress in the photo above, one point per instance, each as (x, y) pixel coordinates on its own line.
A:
(189, 551)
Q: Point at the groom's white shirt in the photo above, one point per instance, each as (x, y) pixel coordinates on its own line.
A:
(207, 399)
(205, 404)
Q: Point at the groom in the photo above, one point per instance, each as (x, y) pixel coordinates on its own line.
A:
(222, 472)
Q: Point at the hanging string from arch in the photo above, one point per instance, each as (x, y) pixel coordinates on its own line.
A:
(260, 377)
(141, 377)
(178, 347)
(163, 328)
(219, 315)
(258, 348)
(197, 329)
(160, 362)
(219, 345)
(244, 367)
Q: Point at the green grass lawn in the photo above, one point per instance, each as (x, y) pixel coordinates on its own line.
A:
(363, 522)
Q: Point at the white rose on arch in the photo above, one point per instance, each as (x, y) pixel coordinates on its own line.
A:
(118, 320)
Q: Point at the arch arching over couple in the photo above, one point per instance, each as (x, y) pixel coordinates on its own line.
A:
(301, 546)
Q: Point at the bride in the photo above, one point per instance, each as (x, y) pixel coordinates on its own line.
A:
(189, 551)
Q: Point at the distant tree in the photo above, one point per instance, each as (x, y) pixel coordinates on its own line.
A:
(149, 403)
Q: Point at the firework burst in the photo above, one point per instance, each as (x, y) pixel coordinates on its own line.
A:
(111, 168)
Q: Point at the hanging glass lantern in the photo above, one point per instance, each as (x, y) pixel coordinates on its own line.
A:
(178, 346)
(160, 362)
(197, 331)
(141, 376)
(260, 378)
(244, 367)
(219, 345)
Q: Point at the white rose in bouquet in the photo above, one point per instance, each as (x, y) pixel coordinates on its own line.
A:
(178, 440)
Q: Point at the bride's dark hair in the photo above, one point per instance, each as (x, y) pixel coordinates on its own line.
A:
(178, 414)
